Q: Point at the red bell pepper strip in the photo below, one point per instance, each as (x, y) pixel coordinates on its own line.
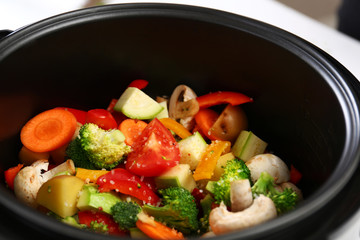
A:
(10, 175)
(125, 182)
(204, 119)
(222, 97)
(139, 83)
(295, 175)
(87, 217)
(118, 116)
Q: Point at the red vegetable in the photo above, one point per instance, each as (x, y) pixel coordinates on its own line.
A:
(125, 182)
(102, 118)
(118, 116)
(295, 175)
(86, 217)
(139, 83)
(10, 175)
(80, 115)
(204, 119)
(221, 97)
(154, 151)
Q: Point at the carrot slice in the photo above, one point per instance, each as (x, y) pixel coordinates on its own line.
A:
(157, 230)
(48, 130)
(132, 129)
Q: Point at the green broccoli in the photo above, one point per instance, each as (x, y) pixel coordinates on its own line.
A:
(178, 210)
(284, 201)
(78, 155)
(234, 169)
(103, 148)
(125, 214)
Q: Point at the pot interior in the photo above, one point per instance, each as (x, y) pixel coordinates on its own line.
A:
(85, 62)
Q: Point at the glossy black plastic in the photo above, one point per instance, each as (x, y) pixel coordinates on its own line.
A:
(305, 103)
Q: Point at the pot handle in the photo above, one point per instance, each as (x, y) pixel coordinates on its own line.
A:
(4, 33)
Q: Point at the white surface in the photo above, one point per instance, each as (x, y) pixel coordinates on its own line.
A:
(18, 13)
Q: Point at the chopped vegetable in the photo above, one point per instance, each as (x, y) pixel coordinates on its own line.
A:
(10, 175)
(125, 182)
(176, 127)
(205, 168)
(221, 97)
(204, 119)
(295, 175)
(105, 222)
(80, 115)
(48, 130)
(132, 129)
(102, 118)
(154, 152)
(139, 83)
(157, 230)
(89, 175)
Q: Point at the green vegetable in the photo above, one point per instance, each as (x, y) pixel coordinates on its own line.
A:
(125, 214)
(136, 104)
(205, 204)
(178, 210)
(103, 148)
(284, 201)
(75, 152)
(248, 145)
(234, 169)
(91, 199)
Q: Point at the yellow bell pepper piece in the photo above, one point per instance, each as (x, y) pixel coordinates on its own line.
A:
(176, 127)
(206, 166)
(89, 175)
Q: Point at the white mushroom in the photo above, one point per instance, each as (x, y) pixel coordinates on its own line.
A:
(183, 106)
(271, 164)
(29, 179)
(222, 221)
(240, 195)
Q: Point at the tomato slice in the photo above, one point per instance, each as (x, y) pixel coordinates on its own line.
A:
(123, 181)
(154, 151)
(102, 118)
(86, 217)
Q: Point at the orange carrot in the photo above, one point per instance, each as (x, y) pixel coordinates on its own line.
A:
(132, 129)
(48, 130)
(157, 230)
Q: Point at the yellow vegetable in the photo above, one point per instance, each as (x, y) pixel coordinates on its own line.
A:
(60, 195)
(89, 175)
(28, 157)
(176, 127)
(205, 168)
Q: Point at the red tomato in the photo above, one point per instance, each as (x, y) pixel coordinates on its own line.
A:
(154, 151)
(125, 182)
(86, 217)
(80, 115)
(102, 118)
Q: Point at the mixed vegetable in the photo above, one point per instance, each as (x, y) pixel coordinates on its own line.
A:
(169, 168)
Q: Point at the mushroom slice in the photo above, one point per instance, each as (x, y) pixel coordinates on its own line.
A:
(181, 96)
(222, 221)
(271, 164)
(240, 195)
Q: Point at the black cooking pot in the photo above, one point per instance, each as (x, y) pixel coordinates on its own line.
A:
(305, 106)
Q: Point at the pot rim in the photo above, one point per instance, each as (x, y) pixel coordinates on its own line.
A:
(341, 81)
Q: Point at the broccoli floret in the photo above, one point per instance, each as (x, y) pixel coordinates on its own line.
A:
(178, 210)
(78, 155)
(284, 201)
(103, 148)
(125, 214)
(234, 169)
